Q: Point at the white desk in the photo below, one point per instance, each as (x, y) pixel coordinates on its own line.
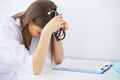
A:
(64, 75)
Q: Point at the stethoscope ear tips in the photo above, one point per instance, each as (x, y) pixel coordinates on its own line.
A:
(49, 13)
(52, 11)
(58, 10)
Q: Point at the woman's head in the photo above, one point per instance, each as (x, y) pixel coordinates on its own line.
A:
(36, 16)
(34, 19)
(38, 12)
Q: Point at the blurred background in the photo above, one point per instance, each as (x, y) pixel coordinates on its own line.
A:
(94, 26)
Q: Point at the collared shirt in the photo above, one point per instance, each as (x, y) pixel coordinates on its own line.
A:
(15, 59)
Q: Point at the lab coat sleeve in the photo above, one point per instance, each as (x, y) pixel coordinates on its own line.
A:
(10, 40)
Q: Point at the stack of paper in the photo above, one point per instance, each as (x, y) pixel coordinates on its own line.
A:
(89, 66)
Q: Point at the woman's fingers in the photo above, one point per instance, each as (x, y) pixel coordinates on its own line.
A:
(56, 23)
(62, 22)
(65, 25)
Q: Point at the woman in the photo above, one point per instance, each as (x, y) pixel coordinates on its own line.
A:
(26, 37)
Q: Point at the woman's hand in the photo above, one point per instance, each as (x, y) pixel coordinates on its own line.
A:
(55, 24)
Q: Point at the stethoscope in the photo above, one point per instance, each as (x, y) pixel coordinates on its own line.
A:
(60, 34)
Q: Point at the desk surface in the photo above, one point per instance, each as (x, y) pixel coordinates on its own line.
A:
(64, 75)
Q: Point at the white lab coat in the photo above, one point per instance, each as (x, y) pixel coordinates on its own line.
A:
(15, 59)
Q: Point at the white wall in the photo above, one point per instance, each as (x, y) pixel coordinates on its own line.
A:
(10, 7)
(94, 29)
(94, 26)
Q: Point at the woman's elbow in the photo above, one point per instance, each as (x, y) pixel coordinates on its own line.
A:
(58, 61)
(36, 72)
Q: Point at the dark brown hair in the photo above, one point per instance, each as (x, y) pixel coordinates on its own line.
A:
(36, 12)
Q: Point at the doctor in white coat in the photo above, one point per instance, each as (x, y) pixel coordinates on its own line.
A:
(27, 37)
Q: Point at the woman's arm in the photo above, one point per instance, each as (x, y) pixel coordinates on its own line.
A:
(40, 53)
(57, 52)
(59, 55)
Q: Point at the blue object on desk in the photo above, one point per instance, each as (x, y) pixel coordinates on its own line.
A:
(86, 66)
(116, 67)
(85, 71)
